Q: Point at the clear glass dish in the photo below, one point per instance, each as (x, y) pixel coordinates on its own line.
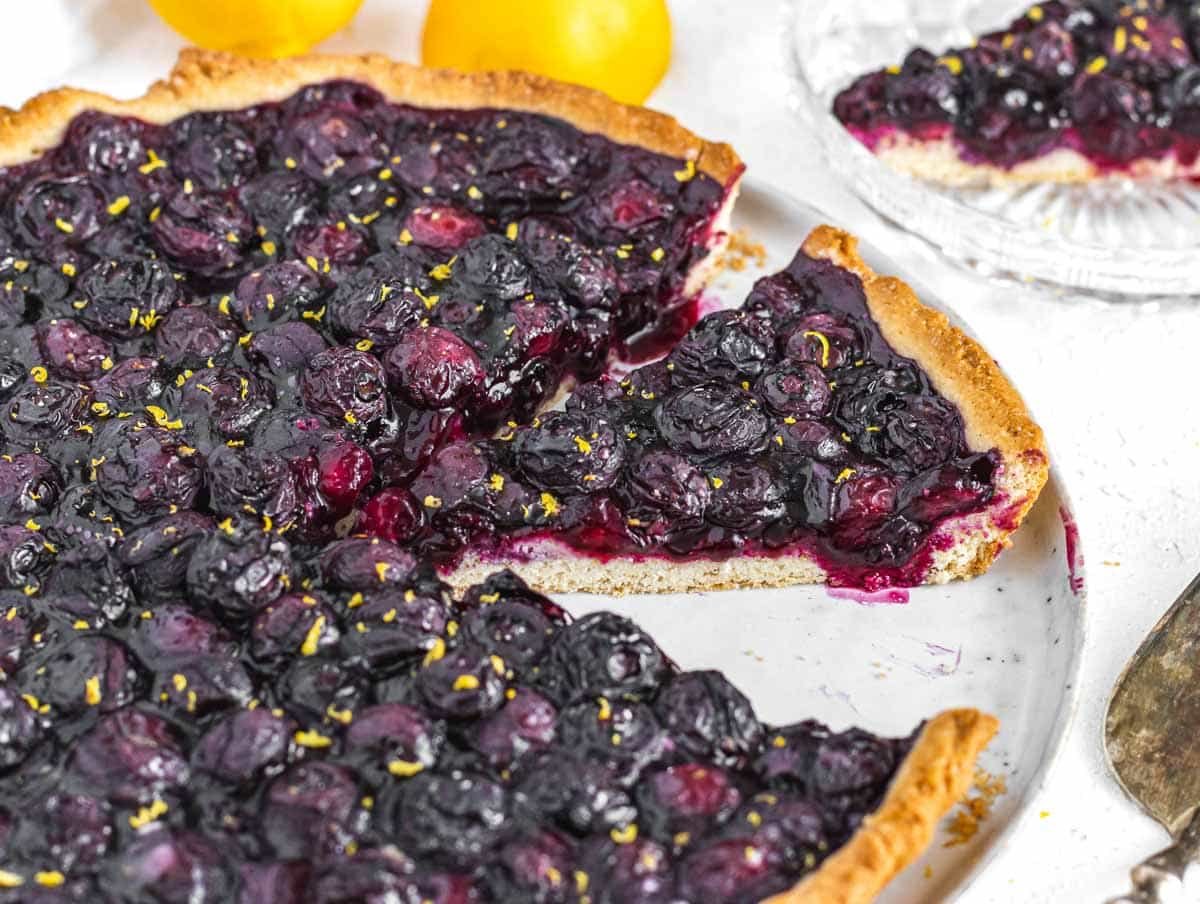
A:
(1114, 238)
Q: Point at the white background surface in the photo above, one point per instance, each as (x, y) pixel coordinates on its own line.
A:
(1116, 388)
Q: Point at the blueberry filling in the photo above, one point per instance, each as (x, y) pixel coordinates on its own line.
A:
(787, 424)
(1116, 82)
(341, 332)
(326, 744)
(261, 371)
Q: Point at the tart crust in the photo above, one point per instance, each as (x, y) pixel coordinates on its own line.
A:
(208, 80)
(994, 415)
(205, 80)
(938, 160)
(933, 777)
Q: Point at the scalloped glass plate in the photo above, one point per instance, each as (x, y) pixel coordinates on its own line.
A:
(1113, 237)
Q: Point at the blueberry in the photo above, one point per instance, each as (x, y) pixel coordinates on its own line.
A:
(266, 483)
(535, 868)
(87, 671)
(726, 345)
(750, 498)
(175, 867)
(40, 412)
(431, 367)
(204, 232)
(219, 404)
(279, 201)
(295, 623)
(275, 882)
(130, 755)
(624, 737)
(457, 819)
(213, 151)
(517, 632)
(603, 655)
(382, 299)
(345, 386)
(132, 384)
(441, 227)
(104, 145)
(72, 352)
(193, 336)
(640, 872)
(580, 795)
(49, 212)
(395, 739)
(398, 628)
(20, 728)
(689, 798)
(284, 351)
(279, 291)
(330, 141)
(711, 419)
(392, 514)
(325, 245)
(29, 485)
(127, 297)
(710, 719)
(365, 564)
(145, 472)
(493, 268)
(734, 869)
(664, 485)
(571, 452)
(238, 573)
(467, 682)
(70, 830)
(93, 572)
(524, 725)
(306, 810)
(243, 744)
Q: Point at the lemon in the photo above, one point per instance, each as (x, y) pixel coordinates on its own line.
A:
(262, 28)
(621, 47)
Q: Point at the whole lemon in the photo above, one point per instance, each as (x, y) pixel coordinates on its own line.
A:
(262, 28)
(621, 47)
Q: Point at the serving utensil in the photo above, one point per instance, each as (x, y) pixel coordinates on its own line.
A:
(1152, 740)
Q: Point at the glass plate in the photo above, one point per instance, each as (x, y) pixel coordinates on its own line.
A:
(1112, 237)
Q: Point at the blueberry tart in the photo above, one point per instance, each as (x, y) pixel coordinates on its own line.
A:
(830, 429)
(1071, 90)
(398, 744)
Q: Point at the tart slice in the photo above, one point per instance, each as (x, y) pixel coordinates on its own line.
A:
(1070, 91)
(395, 744)
(831, 429)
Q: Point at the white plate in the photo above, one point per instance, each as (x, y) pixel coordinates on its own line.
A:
(1007, 642)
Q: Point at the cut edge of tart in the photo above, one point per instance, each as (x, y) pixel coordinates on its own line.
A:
(933, 777)
(205, 81)
(939, 160)
(1066, 92)
(994, 417)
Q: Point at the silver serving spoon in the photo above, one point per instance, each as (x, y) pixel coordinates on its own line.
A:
(1152, 739)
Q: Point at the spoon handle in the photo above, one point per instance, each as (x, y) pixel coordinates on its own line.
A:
(1159, 878)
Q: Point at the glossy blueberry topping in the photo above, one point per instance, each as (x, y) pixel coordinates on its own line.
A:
(264, 371)
(1114, 82)
(486, 748)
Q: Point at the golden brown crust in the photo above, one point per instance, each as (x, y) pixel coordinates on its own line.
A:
(960, 369)
(933, 777)
(938, 160)
(204, 80)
